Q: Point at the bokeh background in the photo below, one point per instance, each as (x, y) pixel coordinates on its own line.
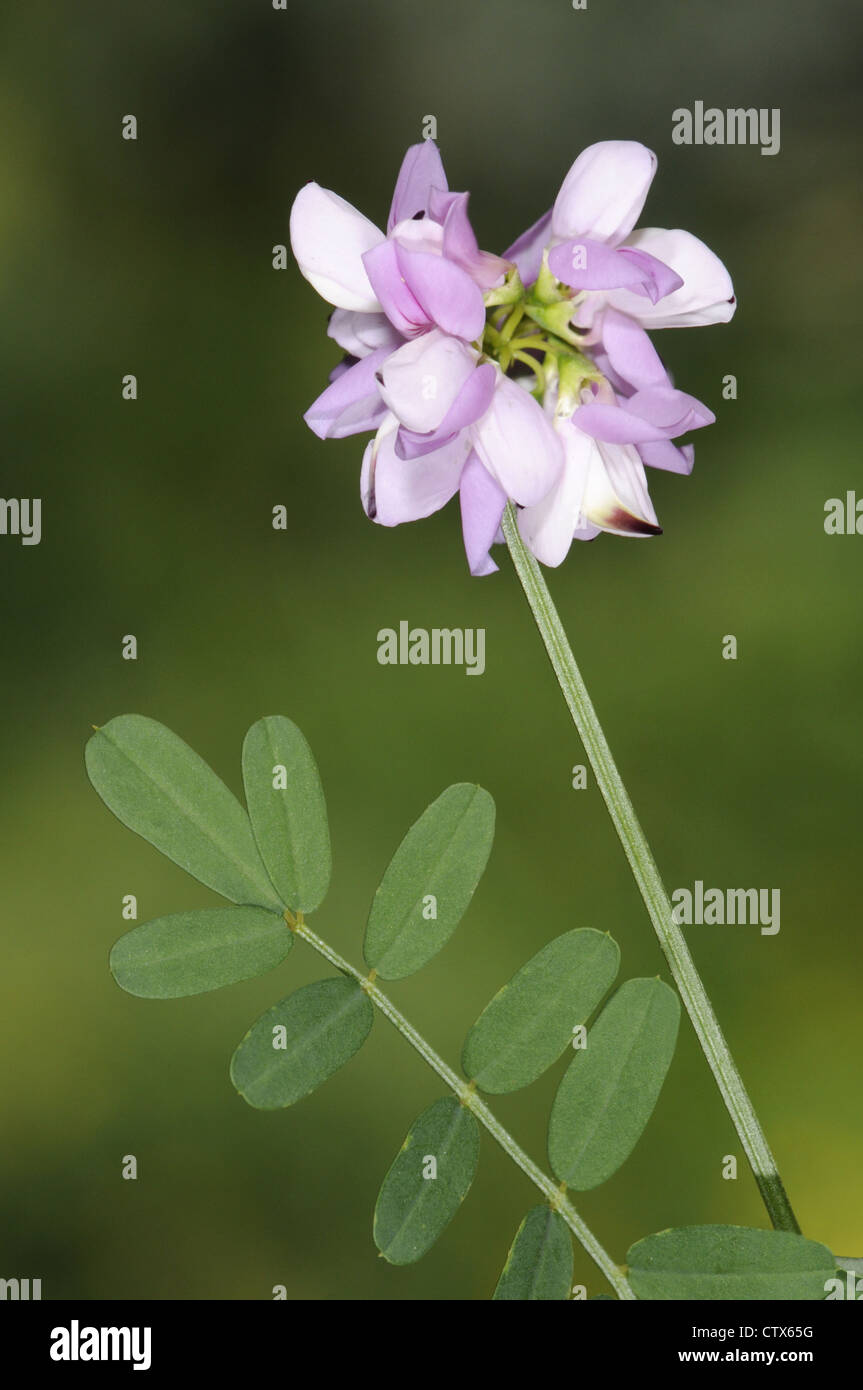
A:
(154, 258)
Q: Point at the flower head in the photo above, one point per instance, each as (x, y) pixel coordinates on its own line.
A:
(529, 377)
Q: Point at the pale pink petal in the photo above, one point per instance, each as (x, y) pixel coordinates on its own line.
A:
(408, 489)
(329, 239)
(604, 191)
(359, 334)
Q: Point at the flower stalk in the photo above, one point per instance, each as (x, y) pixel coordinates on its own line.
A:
(649, 881)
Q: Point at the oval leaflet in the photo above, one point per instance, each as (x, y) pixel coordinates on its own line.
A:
(288, 812)
(530, 1021)
(539, 1264)
(609, 1090)
(192, 952)
(300, 1042)
(427, 1182)
(429, 882)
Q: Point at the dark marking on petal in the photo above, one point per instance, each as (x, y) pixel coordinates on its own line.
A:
(635, 525)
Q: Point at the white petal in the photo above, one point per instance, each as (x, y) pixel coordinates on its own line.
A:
(359, 334)
(548, 527)
(419, 234)
(616, 497)
(422, 379)
(518, 445)
(706, 295)
(329, 239)
(604, 191)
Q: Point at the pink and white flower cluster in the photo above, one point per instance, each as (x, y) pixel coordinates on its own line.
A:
(529, 377)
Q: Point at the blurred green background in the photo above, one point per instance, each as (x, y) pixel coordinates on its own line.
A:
(154, 258)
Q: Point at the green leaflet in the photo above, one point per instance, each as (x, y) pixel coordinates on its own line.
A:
(192, 952)
(611, 1087)
(529, 1022)
(157, 786)
(436, 868)
(728, 1262)
(412, 1209)
(300, 1042)
(288, 812)
(539, 1264)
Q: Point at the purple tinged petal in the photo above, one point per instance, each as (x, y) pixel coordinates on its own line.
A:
(399, 305)
(518, 445)
(657, 412)
(352, 402)
(460, 245)
(661, 279)
(707, 294)
(421, 381)
(604, 191)
(445, 292)
(526, 251)
(670, 410)
(482, 503)
(631, 354)
(591, 265)
(359, 334)
(440, 202)
(663, 454)
(472, 401)
(329, 239)
(421, 172)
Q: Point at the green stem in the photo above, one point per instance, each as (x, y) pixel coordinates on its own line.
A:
(650, 884)
(465, 1093)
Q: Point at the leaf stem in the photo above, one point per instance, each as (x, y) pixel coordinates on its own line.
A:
(467, 1095)
(649, 882)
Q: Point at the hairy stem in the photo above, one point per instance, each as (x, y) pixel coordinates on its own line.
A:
(649, 882)
(466, 1094)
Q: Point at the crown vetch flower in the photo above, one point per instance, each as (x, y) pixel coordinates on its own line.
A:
(528, 378)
